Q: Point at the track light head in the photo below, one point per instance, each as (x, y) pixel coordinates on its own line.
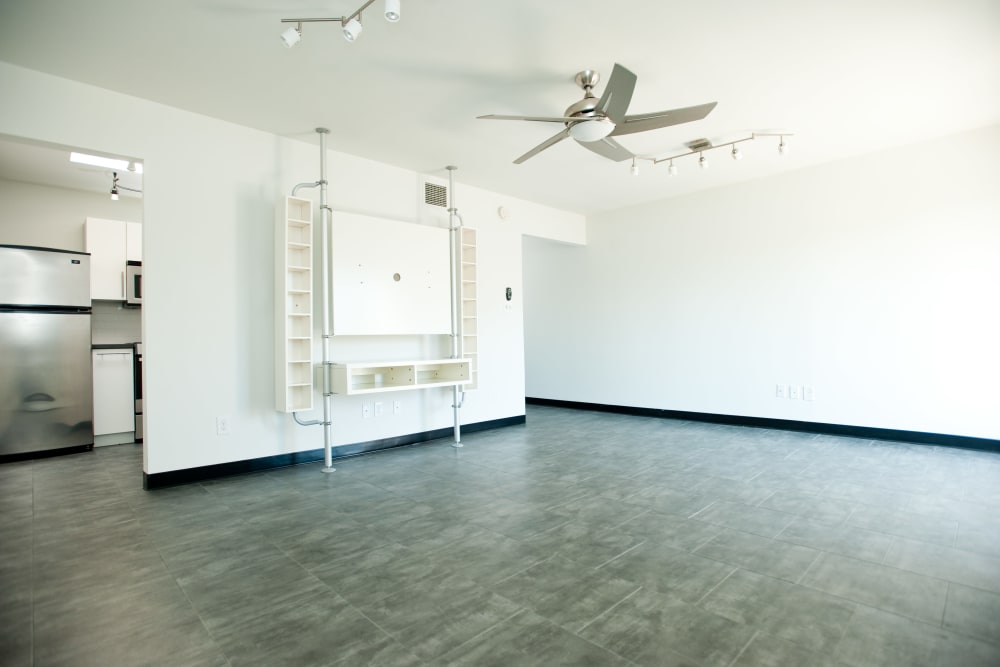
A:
(392, 10)
(672, 169)
(292, 36)
(702, 161)
(782, 147)
(736, 153)
(352, 29)
(635, 168)
(114, 186)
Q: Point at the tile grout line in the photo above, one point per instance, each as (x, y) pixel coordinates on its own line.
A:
(614, 558)
(819, 554)
(607, 611)
(716, 586)
(745, 647)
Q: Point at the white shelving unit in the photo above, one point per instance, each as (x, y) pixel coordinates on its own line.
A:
(293, 305)
(469, 311)
(370, 377)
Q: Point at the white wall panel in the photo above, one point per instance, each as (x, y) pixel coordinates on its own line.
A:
(872, 280)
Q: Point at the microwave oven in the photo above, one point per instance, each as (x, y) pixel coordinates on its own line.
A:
(133, 283)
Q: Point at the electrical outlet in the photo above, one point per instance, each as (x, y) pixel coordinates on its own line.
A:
(808, 393)
(366, 410)
(378, 408)
(397, 407)
(780, 391)
(794, 392)
(223, 426)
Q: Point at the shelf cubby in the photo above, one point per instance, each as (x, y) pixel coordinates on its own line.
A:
(293, 305)
(370, 377)
(469, 305)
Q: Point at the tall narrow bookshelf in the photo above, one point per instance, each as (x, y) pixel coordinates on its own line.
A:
(470, 310)
(293, 305)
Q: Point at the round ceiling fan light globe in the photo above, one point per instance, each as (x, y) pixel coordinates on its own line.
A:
(591, 130)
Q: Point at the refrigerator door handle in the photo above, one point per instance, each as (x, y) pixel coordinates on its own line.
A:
(123, 285)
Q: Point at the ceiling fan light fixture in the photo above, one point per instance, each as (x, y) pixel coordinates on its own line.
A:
(352, 30)
(591, 130)
(392, 10)
(292, 36)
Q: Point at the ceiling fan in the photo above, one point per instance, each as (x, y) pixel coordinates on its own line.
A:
(593, 122)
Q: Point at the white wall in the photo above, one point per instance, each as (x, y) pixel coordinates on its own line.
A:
(210, 189)
(48, 217)
(874, 280)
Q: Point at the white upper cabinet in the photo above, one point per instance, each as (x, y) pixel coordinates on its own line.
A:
(133, 242)
(111, 243)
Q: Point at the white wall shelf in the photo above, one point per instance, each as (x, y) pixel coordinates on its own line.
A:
(293, 371)
(369, 377)
(469, 308)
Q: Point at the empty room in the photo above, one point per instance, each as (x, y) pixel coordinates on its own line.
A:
(403, 333)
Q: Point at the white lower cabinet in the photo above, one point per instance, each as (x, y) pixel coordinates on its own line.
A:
(114, 396)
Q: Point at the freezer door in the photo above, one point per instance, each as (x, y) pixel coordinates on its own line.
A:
(44, 277)
(46, 393)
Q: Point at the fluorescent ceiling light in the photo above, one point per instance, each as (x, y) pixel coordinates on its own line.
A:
(98, 161)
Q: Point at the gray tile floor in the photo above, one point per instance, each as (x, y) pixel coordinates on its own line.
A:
(578, 539)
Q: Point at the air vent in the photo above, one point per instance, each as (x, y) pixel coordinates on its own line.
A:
(436, 195)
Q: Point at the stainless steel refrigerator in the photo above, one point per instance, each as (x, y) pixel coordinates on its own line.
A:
(46, 384)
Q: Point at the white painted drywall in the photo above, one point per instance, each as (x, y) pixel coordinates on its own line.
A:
(49, 217)
(210, 189)
(873, 280)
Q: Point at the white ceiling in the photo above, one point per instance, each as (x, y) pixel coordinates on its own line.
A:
(847, 77)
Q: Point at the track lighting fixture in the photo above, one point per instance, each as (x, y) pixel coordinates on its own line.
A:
(292, 36)
(391, 10)
(350, 24)
(699, 146)
(352, 30)
(115, 187)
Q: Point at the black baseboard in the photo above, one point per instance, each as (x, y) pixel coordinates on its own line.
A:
(160, 480)
(871, 433)
(27, 456)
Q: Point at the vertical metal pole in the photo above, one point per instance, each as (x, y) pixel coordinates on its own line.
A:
(455, 242)
(324, 211)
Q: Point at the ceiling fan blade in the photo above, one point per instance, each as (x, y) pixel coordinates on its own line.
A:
(543, 119)
(542, 146)
(608, 148)
(617, 94)
(658, 119)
